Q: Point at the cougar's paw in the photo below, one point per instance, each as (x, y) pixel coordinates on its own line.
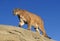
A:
(19, 26)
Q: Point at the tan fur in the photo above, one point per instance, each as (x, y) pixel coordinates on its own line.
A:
(31, 19)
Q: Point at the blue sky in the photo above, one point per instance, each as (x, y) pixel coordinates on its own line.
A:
(48, 10)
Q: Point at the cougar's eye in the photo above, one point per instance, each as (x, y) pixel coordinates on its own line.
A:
(16, 13)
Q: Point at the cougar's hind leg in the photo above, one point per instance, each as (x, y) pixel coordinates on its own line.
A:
(36, 28)
(44, 32)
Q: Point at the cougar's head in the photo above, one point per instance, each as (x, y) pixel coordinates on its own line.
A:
(16, 11)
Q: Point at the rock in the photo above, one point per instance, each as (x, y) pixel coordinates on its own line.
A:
(12, 33)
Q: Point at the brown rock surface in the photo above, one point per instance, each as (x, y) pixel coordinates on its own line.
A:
(12, 33)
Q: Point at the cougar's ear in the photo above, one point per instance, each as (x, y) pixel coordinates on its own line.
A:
(17, 9)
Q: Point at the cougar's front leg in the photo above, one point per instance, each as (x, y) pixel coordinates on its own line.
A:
(29, 25)
(21, 23)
